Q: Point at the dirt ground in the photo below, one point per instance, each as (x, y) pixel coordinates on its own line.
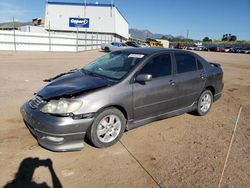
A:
(183, 151)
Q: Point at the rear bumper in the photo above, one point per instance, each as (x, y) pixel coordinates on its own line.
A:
(219, 92)
(55, 133)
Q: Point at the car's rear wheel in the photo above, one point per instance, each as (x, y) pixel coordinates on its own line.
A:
(107, 128)
(106, 49)
(204, 103)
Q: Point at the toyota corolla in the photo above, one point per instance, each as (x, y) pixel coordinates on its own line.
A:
(120, 91)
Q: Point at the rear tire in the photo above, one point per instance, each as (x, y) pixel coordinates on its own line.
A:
(204, 103)
(106, 49)
(107, 128)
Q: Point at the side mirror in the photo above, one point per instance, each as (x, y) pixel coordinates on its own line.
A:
(143, 78)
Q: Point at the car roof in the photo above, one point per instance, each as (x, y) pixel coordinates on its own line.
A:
(149, 51)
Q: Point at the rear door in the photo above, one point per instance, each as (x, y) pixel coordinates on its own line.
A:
(158, 95)
(190, 77)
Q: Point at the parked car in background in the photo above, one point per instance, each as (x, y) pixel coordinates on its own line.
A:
(220, 49)
(190, 47)
(216, 49)
(120, 91)
(239, 50)
(230, 49)
(144, 45)
(246, 51)
(242, 50)
(201, 48)
(114, 46)
(132, 44)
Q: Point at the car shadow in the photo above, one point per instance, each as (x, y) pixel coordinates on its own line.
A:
(23, 177)
(193, 113)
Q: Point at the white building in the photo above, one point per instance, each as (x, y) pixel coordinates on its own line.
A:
(69, 27)
(104, 20)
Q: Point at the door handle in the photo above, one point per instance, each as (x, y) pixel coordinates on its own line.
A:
(172, 82)
(203, 76)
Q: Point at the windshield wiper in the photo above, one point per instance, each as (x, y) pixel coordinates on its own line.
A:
(98, 75)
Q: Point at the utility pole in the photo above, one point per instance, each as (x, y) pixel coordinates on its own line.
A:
(49, 38)
(187, 34)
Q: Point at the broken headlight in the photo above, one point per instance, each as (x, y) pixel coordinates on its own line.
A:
(62, 106)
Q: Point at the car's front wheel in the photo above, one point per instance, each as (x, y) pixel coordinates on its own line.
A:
(204, 103)
(107, 128)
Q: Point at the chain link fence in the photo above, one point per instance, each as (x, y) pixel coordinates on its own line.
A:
(15, 40)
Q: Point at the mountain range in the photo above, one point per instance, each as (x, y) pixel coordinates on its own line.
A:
(10, 24)
(143, 34)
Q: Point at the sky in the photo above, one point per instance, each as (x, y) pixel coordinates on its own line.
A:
(211, 18)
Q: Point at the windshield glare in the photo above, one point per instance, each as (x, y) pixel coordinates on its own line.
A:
(114, 65)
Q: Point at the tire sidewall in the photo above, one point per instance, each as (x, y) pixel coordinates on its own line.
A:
(92, 132)
(201, 113)
(106, 49)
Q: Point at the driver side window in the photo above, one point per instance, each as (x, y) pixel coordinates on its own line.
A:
(158, 66)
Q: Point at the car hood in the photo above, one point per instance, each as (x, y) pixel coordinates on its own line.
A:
(72, 83)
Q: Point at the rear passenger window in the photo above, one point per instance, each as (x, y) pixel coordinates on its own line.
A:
(199, 65)
(185, 63)
(158, 66)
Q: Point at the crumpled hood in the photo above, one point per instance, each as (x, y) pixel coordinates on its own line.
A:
(72, 83)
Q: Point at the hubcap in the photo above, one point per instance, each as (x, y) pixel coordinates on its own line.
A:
(109, 128)
(205, 103)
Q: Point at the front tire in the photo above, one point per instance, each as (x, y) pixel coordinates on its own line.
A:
(107, 128)
(204, 103)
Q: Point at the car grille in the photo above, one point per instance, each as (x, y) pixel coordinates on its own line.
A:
(35, 102)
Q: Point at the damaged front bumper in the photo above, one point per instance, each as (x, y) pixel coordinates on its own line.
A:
(56, 133)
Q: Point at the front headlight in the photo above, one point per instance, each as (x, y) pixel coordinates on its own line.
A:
(62, 106)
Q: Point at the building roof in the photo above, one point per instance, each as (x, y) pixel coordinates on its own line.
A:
(87, 4)
(81, 4)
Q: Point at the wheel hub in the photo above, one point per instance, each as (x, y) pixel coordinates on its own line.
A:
(205, 103)
(109, 128)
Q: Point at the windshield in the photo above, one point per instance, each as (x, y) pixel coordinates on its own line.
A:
(114, 65)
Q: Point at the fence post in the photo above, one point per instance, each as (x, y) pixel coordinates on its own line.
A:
(92, 40)
(101, 39)
(97, 41)
(49, 38)
(85, 39)
(77, 39)
(14, 34)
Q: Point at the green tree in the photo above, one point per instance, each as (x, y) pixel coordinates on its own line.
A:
(229, 37)
(225, 37)
(207, 39)
(233, 38)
